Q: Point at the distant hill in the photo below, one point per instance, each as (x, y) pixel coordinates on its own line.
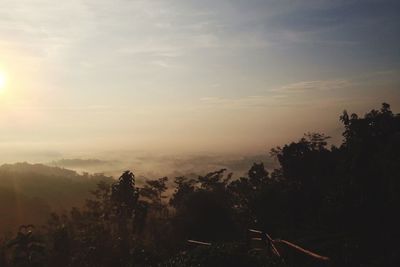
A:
(29, 192)
(24, 167)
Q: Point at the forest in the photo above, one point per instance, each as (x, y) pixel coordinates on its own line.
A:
(324, 205)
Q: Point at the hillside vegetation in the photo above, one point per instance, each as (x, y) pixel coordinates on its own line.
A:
(29, 192)
(339, 202)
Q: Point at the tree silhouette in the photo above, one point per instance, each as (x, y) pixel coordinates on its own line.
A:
(341, 201)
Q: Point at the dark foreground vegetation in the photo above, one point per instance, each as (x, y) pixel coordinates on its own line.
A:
(341, 202)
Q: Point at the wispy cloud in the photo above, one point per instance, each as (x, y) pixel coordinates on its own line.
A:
(315, 92)
(312, 86)
(240, 102)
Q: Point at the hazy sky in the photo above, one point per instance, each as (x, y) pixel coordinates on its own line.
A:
(195, 76)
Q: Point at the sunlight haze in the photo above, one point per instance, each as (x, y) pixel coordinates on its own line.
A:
(82, 77)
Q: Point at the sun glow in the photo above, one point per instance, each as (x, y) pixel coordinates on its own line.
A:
(2, 81)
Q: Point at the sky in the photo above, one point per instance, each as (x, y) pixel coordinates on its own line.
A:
(181, 76)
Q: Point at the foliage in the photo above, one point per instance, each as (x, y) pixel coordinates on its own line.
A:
(340, 201)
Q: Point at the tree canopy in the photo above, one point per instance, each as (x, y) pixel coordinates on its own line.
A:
(341, 201)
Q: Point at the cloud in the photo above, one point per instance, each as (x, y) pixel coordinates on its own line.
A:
(276, 96)
(312, 86)
(323, 92)
(89, 108)
(161, 63)
(240, 102)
